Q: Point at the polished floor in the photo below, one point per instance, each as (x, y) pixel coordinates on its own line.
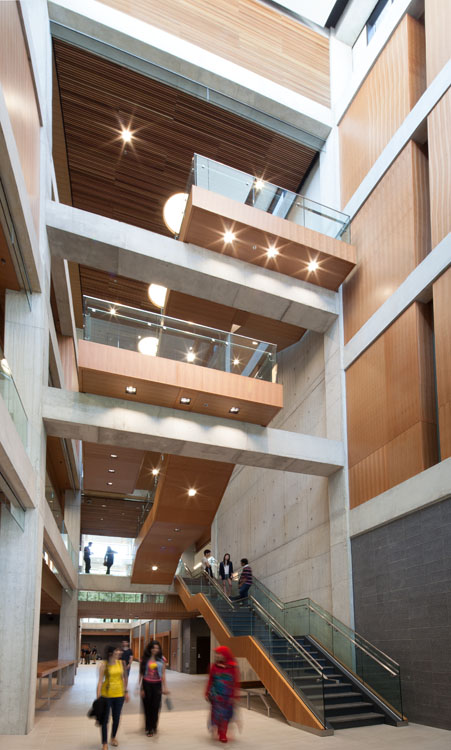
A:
(66, 726)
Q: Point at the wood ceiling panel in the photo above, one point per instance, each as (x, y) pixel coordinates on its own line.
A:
(126, 467)
(106, 516)
(132, 183)
(159, 543)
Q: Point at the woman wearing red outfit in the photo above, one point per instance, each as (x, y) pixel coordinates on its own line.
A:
(222, 690)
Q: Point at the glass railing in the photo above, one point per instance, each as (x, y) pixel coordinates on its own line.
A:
(155, 334)
(304, 617)
(121, 597)
(13, 402)
(255, 191)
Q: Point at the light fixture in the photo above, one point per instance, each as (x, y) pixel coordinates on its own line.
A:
(272, 251)
(114, 455)
(155, 472)
(170, 540)
(162, 547)
(103, 506)
(236, 361)
(228, 237)
(234, 409)
(113, 311)
(255, 343)
(148, 346)
(259, 183)
(173, 211)
(176, 530)
(130, 389)
(185, 400)
(192, 492)
(157, 294)
(126, 135)
(313, 265)
(154, 567)
(111, 471)
(190, 357)
(110, 484)
(5, 367)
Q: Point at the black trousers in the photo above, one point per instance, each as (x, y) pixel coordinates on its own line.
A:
(115, 704)
(87, 564)
(152, 704)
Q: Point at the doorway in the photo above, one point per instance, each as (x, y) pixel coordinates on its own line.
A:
(203, 654)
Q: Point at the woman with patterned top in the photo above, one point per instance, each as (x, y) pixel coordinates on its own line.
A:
(112, 685)
(152, 684)
(222, 690)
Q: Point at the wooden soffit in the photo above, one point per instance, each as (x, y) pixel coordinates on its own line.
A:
(177, 521)
(107, 371)
(209, 215)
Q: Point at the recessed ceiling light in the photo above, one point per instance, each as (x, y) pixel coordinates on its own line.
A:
(170, 540)
(272, 251)
(111, 471)
(190, 357)
(259, 183)
(113, 311)
(177, 529)
(228, 237)
(236, 361)
(157, 294)
(155, 472)
(109, 484)
(148, 345)
(103, 506)
(154, 567)
(173, 211)
(162, 547)
(192, 492)
(113, 455)
(101, 519)
(185, 400)
(131, 390)
(255, 343)
(313, 265)
(234, 409)
(126, 135)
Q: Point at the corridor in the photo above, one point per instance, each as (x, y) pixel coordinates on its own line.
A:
(66, 727)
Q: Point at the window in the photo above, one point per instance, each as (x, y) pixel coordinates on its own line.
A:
(376, 17)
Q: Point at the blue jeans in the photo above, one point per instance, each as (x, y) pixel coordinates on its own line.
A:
(116, 707)
(243, 590)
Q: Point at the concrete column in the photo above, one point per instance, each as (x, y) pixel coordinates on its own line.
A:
(72, 516)
(338, 489)
(68, 633)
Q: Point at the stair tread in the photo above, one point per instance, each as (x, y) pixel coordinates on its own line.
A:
(355, 717)
(344, 695)
(357, 704)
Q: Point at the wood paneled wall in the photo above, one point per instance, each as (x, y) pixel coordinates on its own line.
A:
(439, 129)
(391, 236)
(442, 329)
(385, 98)
(248, 34)
(68, 360)
(438, 46)
(391, 407)
(18, 89)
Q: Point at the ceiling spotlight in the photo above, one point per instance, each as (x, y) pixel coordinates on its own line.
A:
(313, 265)
(113, 311)
(154, 567)
(259, 184)
(148, 346)
(185, 400)
(110, 484)
(170, 540)
(130, 389)
(126, 135)
(190, 357)
(175, 530)
(155, 472)
(162, 547)
(174, 210)
(236, 361)
(234, 409)
(111, 471)
(157, 294)
(192, 492)
(228, 237)
(255, 343)
(272, 251)
(114, 455)
(103, 506)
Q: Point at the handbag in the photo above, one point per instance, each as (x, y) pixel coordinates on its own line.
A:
(169, 704)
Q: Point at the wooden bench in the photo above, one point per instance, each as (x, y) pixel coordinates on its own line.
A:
(48, 669)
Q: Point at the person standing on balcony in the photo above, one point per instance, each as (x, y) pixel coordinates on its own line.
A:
(206, 564)
(222, 690)
(226, 573)
(87, 557)
(109, 559)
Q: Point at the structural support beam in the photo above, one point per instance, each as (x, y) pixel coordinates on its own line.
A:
(109, 421)
(136, 253)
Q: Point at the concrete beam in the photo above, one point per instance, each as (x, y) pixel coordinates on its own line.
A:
(136, 253)
(63, 296)
(101, 582)
(110, 421)
(57, 549)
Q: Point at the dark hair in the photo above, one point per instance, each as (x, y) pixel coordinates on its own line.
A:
(148, 650)
(223, 559)
(125, 640)
(109, 651)
(244, 561)
(206, 551)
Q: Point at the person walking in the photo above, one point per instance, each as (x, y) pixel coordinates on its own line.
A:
(222, 690)
(109, 559)
(87, 557)
(94, 654)
(245, 579)
(87, 654)
(152, 684)
(112, 685)
(127, 656)
(206, 564)
(226, 573)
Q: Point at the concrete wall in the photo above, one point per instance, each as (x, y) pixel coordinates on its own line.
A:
(191, 629)
(402, 585)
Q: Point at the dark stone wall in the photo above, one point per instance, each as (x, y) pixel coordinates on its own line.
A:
(402, 601)
(48, 637)
(191, 629)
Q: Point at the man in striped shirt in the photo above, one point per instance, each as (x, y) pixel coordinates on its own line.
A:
(245, 580)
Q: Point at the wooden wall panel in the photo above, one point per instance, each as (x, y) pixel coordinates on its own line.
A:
(68, 361)
(442, 329)
(439, 128)
(18, 89)
(391, 234)
(247, 33)
(385, 98)
(438, 44)
(390, 407)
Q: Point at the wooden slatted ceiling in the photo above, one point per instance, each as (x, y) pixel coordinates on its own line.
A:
(132, 184)
(247, 33)
(107, 517)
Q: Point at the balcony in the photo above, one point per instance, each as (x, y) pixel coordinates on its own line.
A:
(152, 358)
(10, 395)
(242, 215)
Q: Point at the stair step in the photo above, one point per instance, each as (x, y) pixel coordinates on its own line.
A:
(370, 716)
(334, 696)
(352, 705)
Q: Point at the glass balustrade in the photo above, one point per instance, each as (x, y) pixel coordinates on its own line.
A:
(10, 395)
(254, 191)
(158, 335)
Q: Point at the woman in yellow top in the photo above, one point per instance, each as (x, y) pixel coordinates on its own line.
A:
(112, 685)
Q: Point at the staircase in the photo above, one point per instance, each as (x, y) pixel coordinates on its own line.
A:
(315, 685)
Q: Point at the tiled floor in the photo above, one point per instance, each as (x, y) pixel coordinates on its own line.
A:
(66, 726)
